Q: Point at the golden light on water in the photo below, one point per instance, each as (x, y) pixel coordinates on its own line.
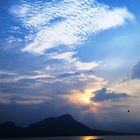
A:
(89, 138)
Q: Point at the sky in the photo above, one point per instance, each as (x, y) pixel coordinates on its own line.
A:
(71, 57)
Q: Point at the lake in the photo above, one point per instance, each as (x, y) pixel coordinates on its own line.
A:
(83, 138)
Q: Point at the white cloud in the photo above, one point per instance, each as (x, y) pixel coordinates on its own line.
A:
(114, 18)
(74, 62)
(85, 65)
(65, 55)
(67, 22)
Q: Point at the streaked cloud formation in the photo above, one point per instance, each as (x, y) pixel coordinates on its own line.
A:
(67, 22)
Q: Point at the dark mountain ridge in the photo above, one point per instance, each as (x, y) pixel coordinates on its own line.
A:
(63, 125)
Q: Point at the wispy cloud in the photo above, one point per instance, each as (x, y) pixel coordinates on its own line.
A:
(64, 56)
(5, 72)
(8, 99)
(66, 22)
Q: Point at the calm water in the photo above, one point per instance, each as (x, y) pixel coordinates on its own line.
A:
(83, 138)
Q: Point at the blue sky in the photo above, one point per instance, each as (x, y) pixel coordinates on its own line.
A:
(70, 56)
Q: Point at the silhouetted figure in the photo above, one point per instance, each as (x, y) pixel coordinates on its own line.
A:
(128, 111)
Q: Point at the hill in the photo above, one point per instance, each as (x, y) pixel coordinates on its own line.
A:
(63, 125)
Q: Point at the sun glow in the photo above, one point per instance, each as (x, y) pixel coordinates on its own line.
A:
(82, 98)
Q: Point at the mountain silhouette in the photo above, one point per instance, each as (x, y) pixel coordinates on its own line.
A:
(9, 129)
(63, 125)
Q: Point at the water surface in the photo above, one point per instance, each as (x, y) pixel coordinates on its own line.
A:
(83, 138)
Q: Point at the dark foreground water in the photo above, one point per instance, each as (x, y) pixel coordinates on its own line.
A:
(83, 138)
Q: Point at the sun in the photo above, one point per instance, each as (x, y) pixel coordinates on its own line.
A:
(81, 98)
(84, 98)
